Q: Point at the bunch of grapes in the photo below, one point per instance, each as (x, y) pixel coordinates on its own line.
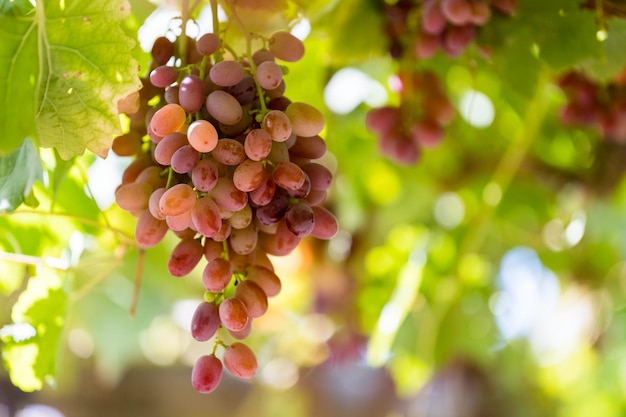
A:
(450, 25)
(601, 107)
(417, 122)
(227, 162)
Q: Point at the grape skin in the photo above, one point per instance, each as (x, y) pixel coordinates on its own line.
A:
(206, 374)
(233, 314)
(240, 360)
(205, 321)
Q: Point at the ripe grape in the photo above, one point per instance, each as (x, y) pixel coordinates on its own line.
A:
(177, 200)
(243, 241)
(300, 219)
(179, 222)
(433, 20)
(264, 193)
(278, 125)
(169, 118)
(288, 176)
(241, 218)
(253, 297)
(167, 146)
(184, 257)
(269, 75)
(163, 76)
(206, 374)
(273, 211)
(149, 231)
(244, 91)
(184, 159)
(128, 144)
(285, 46)
(321, 178)
(208, 44)
(457, 12)
(224, 107)
(205, 217)
(191, 94)
(249, 175)
(227, 196)
(205, 321)
(313, 147)
(162, 50)
(233, 314)
(240, 360)
(326, 226)
(153, 204)
(226, 73)
(257, 144)
(217, 274)
(204, 175)
(229, 152)
(202, 136)
(305, 119)
(133, 196)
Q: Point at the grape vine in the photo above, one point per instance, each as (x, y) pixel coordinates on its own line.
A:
(227, 162)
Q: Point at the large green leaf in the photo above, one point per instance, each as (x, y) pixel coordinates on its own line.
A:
(63, 68)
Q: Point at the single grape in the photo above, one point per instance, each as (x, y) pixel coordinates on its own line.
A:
(273, 211)
(433, 20)
(223, 233)
(206, 374)
(249, 175)
(285, 46)
(162, 50)
(257, 144)
(320, 176)
(264, 193)
(229, 152)
(177, 200)
(227, 196)
(281, 243)
(184, 257)
(241, 218)
(133, 196)
(205, 321)
(288, 176)
(223, 107)
(191, 94)
(383, 119)
(226, 73)
(269, 75)
(265, 278)
(153, 176)
(253, 297)
(202, 136)
(427, 45)
(305, 119)
(153, 204)
(457, 38)
(326, 226)
(179, 222)
(481, 13)
(240, 361)
(313, 147)
(128, 144)
(304, 190)
(300, 219)
(163, 76)
(262, 55)
(457, 12)
(427, 133)
(217, 274)
(243, 241)
(168, 119)
(171, 94)
(148, 230)
(205, 217)
(208, 44)
(184, 159)
(167, 146)
(204, 175)
(277, 124)
(243, 333)
(233, 314)
(244, 91)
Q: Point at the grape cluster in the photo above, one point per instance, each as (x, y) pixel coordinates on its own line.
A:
(227, 162)
(417, 122)
(601, 107)
(450, 25)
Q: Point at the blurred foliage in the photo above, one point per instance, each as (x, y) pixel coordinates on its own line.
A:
(416, 279)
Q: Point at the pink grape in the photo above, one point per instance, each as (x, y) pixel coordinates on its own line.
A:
(191, 94)
(167, 146)
(288, 176)
(253, 297)
(148, 230)
(257, 144)
(240, 361)
(305, 119)
(457, 12)
(433, 20)
(241, 218)
(326, 226)
(226, 73)
(282, 243)
(217, 274)
(243, 241)
(162, 50)
(264, 193)
(233, 314)
(163, 75)
(184, 257)
(202, 136)
(285, 46)
(278, 125)
(269, 75)
(205, 217)
(184, 159)
(313, 147)
(177, 200)
(249, 175)
(224, 107)
(204, 175)
(206, 374)
(168, 119)
(229, 152)
(205, 321)
(227, 196)
(179, 222)
(320, 176)
(300, 219)
(261, 56)
(266, 279)
(208, 44)
(212, 249)
(153, 204)
(133, 196)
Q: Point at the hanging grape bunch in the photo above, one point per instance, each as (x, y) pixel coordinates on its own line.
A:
(590, 104)
(227, 162)
(415, 33)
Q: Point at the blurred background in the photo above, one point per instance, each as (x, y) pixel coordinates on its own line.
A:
(486, 279)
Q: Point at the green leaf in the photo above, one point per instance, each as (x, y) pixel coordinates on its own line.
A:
(31, 343)
(64, 68)
(18, 173)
